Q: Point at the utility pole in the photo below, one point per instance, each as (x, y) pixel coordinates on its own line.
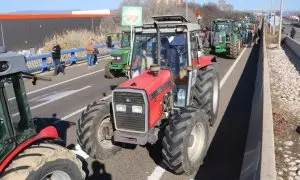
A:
(93, 24)
(271, 16)
(280, 23)
(2, 34)
(274, 28)
(186, 9)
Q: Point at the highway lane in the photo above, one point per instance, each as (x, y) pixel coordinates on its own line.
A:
(138, 163)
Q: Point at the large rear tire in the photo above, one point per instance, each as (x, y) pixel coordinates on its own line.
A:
(95, 131)
(234, 49)
(207, 91)
(182, 152)
(44, 161)
(108, 73)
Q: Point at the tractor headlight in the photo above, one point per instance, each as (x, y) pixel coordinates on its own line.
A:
(118, 58)
(121, 108)
(113, 57)
(137, 109)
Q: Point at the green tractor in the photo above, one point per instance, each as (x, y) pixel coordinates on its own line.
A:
(225, 38)
(119, 56)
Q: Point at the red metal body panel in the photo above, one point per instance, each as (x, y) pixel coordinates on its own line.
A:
(151, 84)
(203, 61)
(47, 133)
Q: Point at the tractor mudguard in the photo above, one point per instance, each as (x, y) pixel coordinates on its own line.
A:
(47, 133)
(204, 61)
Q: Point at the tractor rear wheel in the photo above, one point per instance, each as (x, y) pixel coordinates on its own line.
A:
(108, 73)
(43, 162)
(186, 141)
(206, 47)
(95, 131)
(234, 49)
(207, 91)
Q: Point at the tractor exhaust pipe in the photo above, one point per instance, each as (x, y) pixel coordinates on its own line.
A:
(158, 43)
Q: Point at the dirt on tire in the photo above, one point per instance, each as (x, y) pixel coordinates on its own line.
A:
(108, 73)
(204, 91)
(88, 131)
(37, 161)
(176, 141)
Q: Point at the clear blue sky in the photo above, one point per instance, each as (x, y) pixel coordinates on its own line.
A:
(24, 5)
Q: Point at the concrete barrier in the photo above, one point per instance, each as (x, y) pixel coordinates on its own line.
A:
(292, 45)
(259, 157)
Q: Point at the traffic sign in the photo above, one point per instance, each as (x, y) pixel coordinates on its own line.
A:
(132, 16)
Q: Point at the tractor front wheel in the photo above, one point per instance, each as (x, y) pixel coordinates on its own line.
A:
(95, 131)
(207, 91)
(186, 141)
(108, 73)
(43, 162)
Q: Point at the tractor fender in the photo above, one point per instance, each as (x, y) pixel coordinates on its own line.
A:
(204, 61)
(47, 133)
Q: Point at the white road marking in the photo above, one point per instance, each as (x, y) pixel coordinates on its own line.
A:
(73, 113)
(63, 82)
(80, 152)
(54, 98)
(159, 171)
(224, 79)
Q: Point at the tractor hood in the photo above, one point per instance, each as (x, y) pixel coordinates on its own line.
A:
(120, 51)
(150, 83)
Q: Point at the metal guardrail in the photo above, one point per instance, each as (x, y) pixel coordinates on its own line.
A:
(44, 62)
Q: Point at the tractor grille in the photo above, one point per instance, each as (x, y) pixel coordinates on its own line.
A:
(115, 60)
(129, 121)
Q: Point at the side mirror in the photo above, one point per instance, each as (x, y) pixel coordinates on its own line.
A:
(127, 67)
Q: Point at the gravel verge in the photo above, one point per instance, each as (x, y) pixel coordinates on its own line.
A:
(285, 92)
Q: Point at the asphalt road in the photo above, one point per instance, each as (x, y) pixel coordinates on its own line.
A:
(67, 95)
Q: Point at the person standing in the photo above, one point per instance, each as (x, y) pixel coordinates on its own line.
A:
(90, 52)
(96, 52)
(250, 38)
(293, 33)
(56, 55)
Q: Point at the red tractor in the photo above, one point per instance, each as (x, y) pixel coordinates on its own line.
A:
(172, 88)
(24, 152)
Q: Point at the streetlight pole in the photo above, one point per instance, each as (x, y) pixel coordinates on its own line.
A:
(280, 23)
(2, 34)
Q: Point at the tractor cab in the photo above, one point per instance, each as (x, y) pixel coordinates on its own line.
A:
(119, 56)
(171, 43)
(223, 29)
(16, 124)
